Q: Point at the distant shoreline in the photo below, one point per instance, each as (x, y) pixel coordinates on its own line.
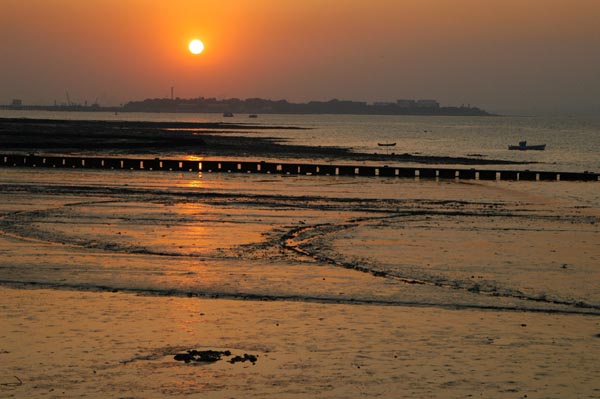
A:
(258, 106)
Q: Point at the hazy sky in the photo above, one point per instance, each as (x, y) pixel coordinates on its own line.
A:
(517, 56)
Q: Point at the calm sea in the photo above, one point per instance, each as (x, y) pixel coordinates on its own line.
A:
(573, 143)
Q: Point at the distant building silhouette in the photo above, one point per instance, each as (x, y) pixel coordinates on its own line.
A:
(406, 103)
(427, 104)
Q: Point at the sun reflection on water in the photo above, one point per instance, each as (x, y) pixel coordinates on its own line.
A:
(193, 158)
(197, 183)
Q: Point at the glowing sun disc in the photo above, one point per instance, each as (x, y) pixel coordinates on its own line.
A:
(196, 46)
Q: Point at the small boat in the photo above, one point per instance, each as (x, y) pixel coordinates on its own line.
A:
(228, 114)
(386, 144)
(524, 147)
(252, 116)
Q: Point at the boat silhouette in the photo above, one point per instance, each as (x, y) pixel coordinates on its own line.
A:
(524, 147)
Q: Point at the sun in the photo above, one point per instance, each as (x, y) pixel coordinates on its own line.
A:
(196, 46)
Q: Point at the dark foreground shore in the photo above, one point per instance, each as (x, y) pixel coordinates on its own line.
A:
(180, 138)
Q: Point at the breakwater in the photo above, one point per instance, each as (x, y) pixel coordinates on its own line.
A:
(287, 168)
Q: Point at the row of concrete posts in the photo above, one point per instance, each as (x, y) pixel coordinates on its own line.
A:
(292, 168)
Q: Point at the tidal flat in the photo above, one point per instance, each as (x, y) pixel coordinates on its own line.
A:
(341, 286)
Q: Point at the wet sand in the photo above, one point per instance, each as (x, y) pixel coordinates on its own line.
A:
(343, 287)
(114, 345)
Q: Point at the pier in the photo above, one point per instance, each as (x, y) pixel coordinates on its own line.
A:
(286, 168)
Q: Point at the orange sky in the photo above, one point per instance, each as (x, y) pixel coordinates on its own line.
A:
(503, 55)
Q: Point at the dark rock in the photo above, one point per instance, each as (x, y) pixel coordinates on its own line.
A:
(236, 359)
(207, 356)
(185, 357)
(251, 358)
(245, 358)
(211, 356)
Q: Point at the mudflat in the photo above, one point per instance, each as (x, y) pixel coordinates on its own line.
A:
(168, 139)
(113, 345)
(336, 286)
